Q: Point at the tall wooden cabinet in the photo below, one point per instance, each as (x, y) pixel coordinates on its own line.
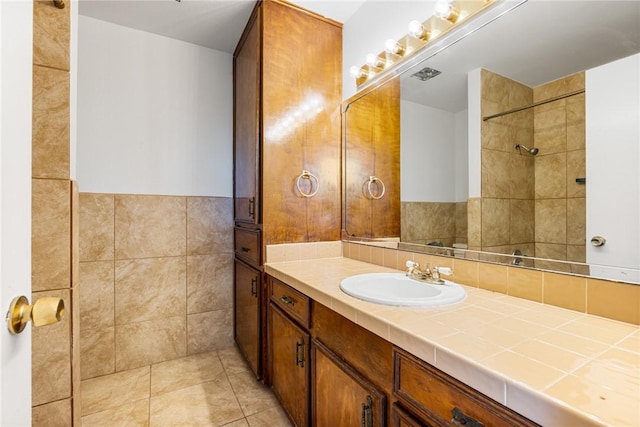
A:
(287, 124)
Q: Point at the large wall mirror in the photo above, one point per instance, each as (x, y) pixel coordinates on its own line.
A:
(517, 141)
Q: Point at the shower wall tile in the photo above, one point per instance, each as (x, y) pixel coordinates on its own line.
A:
(51, 355)
(50, 138)
(522, 219)
(578, 253)
(565, 291)
(143, 343)
(550, 251)
(150, 289)
(97, 352)
(54, 414)
(97, 294)
(496, 181)
(209, 225)
(50, 234)
(576, 221)
(521, 176)
(524, 283)
(474, 211)
(561, 86)
(208, 331)
(97, 215)
(495, 133)
(604, 297)
(51, 33)
(209, 282)
(149, 226)
(462, 222)
(551, 140)
(576, 168)
(551, 221)
(495, 222)
(551, 176)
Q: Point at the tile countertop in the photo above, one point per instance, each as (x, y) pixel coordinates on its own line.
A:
(555, 366)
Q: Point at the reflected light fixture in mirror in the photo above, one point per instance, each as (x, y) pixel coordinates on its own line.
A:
(447, 15)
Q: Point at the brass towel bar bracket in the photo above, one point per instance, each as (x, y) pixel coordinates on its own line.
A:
(59, 4)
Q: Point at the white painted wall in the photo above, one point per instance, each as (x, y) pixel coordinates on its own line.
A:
(431, 165)
(370, 26)
(154, 114)
(613, 167)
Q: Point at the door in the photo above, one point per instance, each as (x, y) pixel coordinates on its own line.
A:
(16, 58)
(340, 395)
(247, 314)
(289, 347)
(613, 198)
(246, 74)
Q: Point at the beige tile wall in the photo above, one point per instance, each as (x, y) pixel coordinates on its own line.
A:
(559, 132)
(55, 377)
(613, 300)
(503, 220)
(156, 277)
(426, 222)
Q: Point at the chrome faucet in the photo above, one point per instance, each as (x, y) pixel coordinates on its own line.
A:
(426, 275)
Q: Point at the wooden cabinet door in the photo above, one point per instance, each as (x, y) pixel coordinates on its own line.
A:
(340, 395)
(289, 349)
(246, 74)
(247, 313)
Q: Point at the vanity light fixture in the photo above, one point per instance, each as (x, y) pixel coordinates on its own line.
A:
(358, 72)
(445, 10)
(417, 30)
(393, 47)
(375, 61)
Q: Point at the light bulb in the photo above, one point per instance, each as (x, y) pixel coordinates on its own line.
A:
(375, 61)
(445, 10)
(392, 46)
(417, 30)
(358, 72)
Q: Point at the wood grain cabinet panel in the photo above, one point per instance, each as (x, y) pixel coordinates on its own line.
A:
(289, 356)
(439, 399)
(247, 314)
(341, 396)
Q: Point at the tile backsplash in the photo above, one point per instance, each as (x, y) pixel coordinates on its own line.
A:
(156, 279)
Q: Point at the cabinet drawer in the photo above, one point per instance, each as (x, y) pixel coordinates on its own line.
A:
(247, 245)
(294, 303)
(434, 395)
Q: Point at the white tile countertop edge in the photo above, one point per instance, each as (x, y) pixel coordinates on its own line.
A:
(547, 403)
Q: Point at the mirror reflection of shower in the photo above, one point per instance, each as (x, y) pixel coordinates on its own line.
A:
(533, 150)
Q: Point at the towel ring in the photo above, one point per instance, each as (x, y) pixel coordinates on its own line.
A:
(311, 177)
(379, 182)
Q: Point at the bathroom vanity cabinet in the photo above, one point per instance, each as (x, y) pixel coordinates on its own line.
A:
(327, 370)
(287, 124)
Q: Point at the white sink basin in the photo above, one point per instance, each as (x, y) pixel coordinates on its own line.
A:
(398, 289)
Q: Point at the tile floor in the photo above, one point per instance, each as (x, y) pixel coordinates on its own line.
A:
(209, 389)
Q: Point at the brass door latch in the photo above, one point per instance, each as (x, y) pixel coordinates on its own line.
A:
(44, 311)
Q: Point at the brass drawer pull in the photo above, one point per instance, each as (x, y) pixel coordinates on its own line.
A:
(287, 300)
(300, 354)
(254, 287)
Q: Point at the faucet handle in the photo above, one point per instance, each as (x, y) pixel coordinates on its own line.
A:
(411, 264)
(447, 271)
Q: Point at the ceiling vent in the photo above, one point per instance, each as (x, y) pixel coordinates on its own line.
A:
(425, 74)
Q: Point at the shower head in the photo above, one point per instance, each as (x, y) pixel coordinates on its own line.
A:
(533, 151)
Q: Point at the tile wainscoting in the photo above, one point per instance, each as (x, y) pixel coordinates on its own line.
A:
(156, 279)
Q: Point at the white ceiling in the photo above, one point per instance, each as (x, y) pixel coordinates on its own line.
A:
(216, 24)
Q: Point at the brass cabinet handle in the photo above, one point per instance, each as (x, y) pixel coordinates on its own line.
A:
(287, 300)
(300, 353)
(367, 413)
(252, 207)
(254, 287)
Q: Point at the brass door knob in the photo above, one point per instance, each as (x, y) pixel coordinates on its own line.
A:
(44, 311)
